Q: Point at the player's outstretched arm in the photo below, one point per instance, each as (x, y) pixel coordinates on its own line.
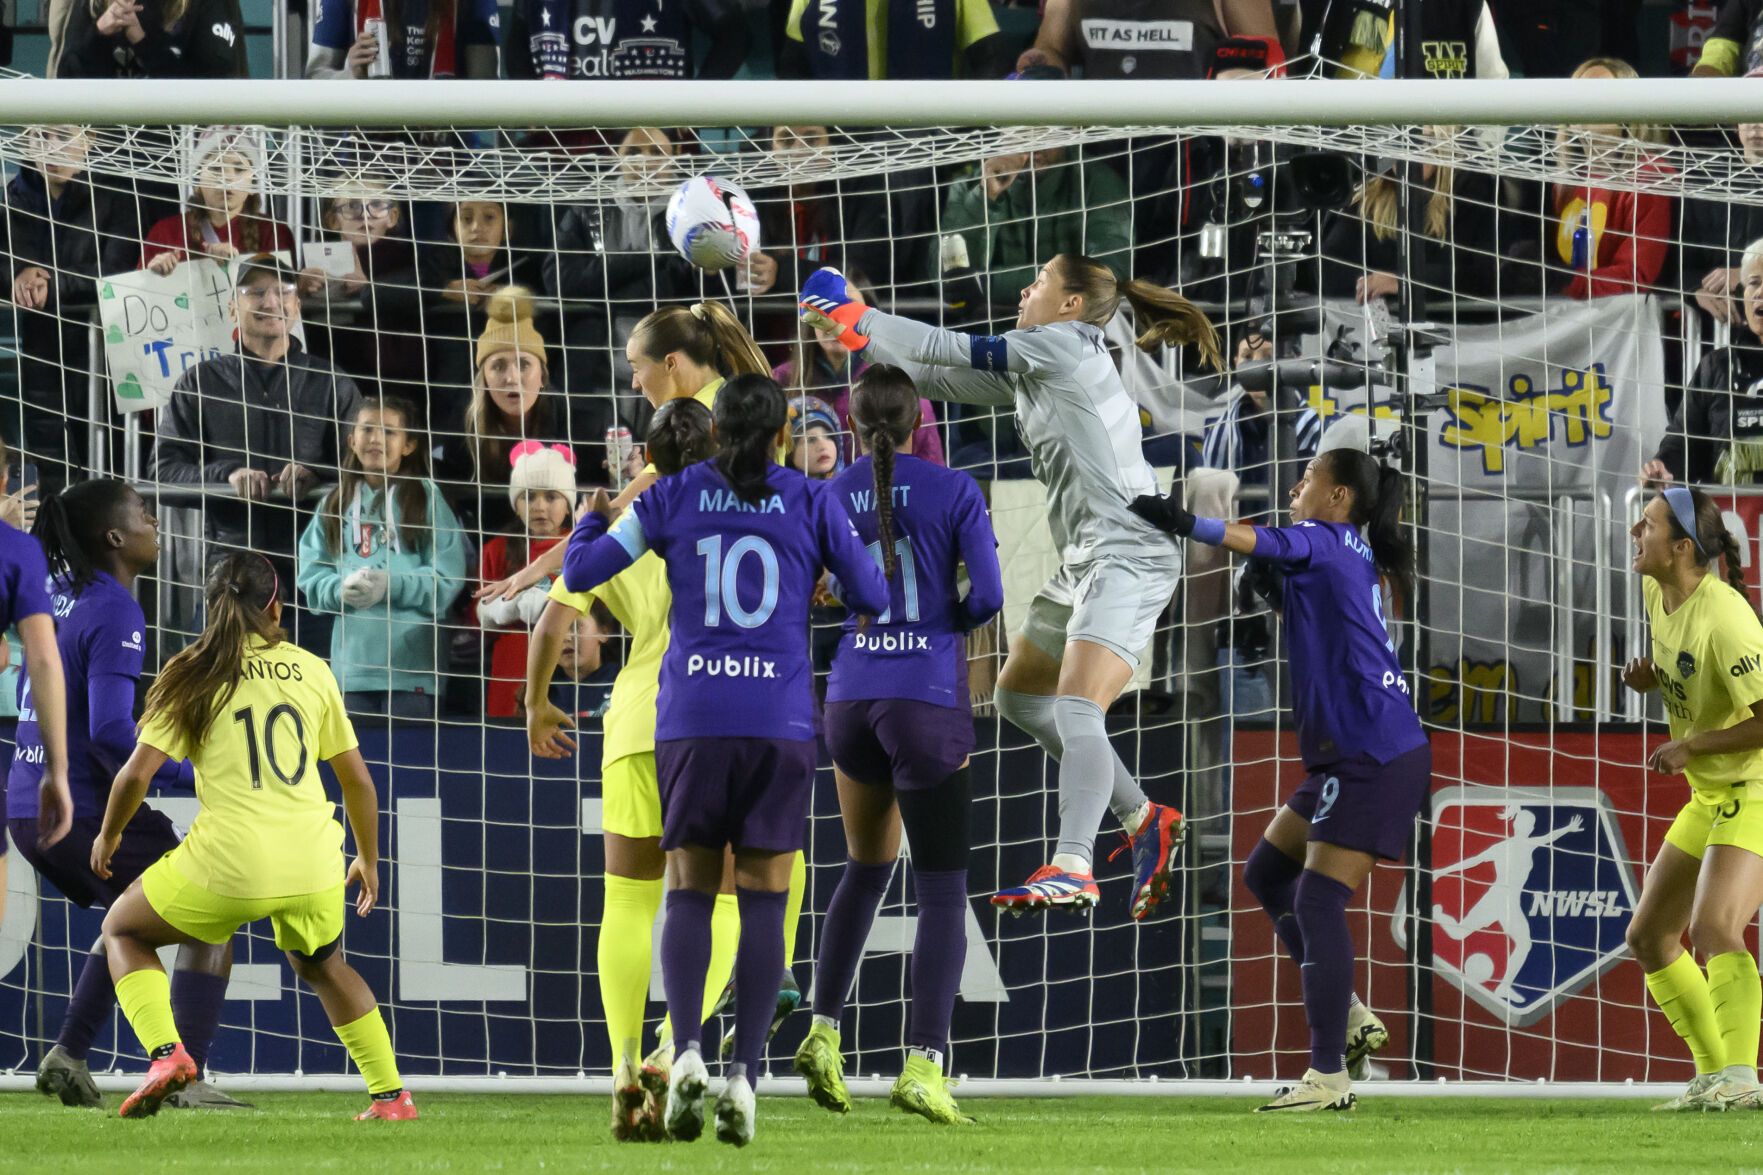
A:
(544, 721)
(362, 805)
(126, 793)
(1672, 757)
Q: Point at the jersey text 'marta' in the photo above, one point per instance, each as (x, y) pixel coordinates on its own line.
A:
(742, 576)
(916, 649)
(1349, 696)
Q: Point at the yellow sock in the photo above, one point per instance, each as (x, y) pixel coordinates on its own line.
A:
(793, 906)
(1737, 993)
(1681, 991)
(725, 936)
(627, 929)
(370, 1047)
(145, 998)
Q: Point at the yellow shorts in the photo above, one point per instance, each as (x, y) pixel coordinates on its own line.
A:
(1728, 816)
(304, 922)
(630, 797)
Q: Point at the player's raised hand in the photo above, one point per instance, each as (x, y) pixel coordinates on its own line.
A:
(1639, 675)
(544, 731)
(1166, 514)
(368, 874)
(829, 303)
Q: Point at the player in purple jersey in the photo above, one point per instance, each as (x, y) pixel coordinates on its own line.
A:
(97, 537)
(900, 730)
(1368, 762)
(744, 541)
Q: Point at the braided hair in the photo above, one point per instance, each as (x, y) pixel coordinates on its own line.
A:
(884, 413)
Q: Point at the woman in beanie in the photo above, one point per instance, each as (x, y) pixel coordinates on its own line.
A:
(511, 402)
(541, 491)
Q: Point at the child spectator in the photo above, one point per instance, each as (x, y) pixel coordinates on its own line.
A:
(815, 430)
(586, 666)
(541, 491)
(384, 554)
(153, 39)
(385, 38)
(511, 402)
(825, 368)
(223, 218)
(380, 344)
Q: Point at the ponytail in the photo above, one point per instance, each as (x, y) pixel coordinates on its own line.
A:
(1735, 574)
(884, 412)
(1166, 319)
(71, 527)
(750, 412)
(195, 686)
(1377, 506)
(708, 334)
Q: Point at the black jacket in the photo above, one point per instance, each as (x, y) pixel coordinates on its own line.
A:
(1722, 402)
(238, 412)
(208, 41)
(1465, 263)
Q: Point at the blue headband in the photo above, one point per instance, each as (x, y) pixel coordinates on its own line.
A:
(1683, 507)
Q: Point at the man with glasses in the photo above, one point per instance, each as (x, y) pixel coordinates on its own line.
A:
(259, 430)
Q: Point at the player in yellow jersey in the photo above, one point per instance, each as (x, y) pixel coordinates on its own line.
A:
(1707, 663)
(255, 714)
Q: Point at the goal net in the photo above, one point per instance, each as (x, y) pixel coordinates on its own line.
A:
(1512, 314)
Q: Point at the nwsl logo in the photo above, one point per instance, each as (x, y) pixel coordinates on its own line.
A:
(1531, 893)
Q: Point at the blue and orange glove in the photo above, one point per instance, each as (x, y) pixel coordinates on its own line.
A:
(828, 303)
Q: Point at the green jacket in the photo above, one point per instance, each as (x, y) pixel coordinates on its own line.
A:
(395, 644)
(1067, 208)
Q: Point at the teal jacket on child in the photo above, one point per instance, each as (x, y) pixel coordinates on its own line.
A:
(392, 645)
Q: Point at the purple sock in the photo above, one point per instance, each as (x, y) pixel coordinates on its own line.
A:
(848, 918)
(94, 997)
(196, 999)
(938, 954)
(1273, 878)
(1327, 969)
(759, 964)
(685, 957)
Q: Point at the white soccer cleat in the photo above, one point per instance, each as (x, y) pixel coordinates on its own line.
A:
(735, 1112)
(685, 1097)
(1691, 1097)
(1365, 1035)
(1315, 1091)
(1733, 1095)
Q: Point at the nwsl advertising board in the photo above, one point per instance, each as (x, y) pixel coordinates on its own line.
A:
(1538, 846)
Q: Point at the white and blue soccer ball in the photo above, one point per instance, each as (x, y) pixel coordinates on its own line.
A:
(712, 222)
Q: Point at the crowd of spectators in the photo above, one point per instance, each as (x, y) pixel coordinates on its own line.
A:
(399, 427)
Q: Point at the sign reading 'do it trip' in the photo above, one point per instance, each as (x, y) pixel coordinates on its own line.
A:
(158, 327)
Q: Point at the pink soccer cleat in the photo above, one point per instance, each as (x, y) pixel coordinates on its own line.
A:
(397, 1109)
(165, 1077)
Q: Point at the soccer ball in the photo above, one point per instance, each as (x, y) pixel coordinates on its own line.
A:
(712, 222)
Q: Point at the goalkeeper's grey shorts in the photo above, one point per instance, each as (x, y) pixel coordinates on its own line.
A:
(1112, 600)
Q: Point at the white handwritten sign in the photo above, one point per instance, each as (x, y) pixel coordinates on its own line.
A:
(158, 327)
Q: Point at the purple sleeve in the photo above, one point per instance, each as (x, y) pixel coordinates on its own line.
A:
(979, 550)
(1288, 546)
(860, 577)
(595, 556)
(110, 725)
(29, 582)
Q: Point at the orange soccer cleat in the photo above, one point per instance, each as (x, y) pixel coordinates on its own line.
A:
(165, 1076)
(393, 1109)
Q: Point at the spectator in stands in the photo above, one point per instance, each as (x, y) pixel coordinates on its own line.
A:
(384, 554)
(891, 39)
(223, 218)
(455, 280)
(814, 430)
(1119, 39)
(1455, 39)
(1459, 240)
(153, 39)
(1614, 242)
(542, 493)
(264, 422)
(1714, 236)
(824, 367)
(379, 343)
(1549, 37)
(628, 39)
(1237, 438)
(586, 665)
(1022, 208)
(1735, 44)
(1716, 434)
(511, 402)
(61, 232)
(388, 39)
(616, 254)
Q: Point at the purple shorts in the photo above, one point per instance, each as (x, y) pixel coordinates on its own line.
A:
(752, 793)
(1362, 804)
(912, 745)
(68, 862)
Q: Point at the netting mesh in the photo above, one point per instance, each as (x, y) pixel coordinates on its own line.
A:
(1575, 309)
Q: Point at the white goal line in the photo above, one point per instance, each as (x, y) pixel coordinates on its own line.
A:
(299, 102)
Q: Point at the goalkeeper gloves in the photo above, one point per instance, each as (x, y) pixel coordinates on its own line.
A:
(1166, 514)
(828, 304)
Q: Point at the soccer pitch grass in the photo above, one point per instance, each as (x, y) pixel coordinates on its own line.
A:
(516, 1132)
